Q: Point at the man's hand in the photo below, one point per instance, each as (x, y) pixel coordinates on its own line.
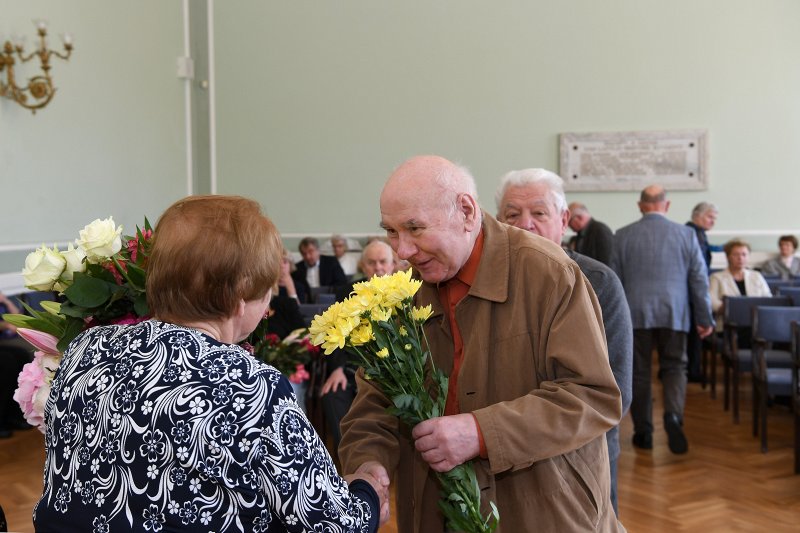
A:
(704, 331)
(375, 474)
(335, 381)
(447, 441)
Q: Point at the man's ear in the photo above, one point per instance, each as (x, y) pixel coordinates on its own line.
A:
(469, 208)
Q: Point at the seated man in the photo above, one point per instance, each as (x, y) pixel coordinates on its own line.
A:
(316, 270)
(339, 389)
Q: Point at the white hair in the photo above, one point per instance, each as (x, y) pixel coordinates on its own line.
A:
(529, 176)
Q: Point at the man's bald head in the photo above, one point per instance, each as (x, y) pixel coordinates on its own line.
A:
(653, 199)
(430, 212)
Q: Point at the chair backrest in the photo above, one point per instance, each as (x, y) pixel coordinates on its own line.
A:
(326, 298)
(739, 309)
(316, 292)
(791, 292)
(309, 311)
(796, 353)
(774, 324)
(776, 285)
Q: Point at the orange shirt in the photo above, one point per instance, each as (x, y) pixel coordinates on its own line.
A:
(450, 293)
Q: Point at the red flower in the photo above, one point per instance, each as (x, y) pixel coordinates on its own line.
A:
(272, 339)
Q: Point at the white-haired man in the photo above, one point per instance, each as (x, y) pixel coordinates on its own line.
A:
(533, 199)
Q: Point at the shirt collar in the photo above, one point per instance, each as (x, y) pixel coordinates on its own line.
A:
(470, 269)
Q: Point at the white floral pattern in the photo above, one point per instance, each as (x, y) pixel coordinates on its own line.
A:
(157, 427)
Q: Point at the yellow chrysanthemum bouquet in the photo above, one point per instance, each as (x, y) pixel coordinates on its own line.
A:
(380, 324)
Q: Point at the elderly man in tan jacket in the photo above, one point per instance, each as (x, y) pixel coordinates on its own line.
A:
(518, 329)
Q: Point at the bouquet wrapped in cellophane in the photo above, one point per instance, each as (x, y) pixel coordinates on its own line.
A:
(380, 324)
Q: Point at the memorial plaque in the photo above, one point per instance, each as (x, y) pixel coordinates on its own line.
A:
(629, 161)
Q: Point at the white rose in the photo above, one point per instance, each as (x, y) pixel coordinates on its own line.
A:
(74, 258)
(42, 268)
(100, 240)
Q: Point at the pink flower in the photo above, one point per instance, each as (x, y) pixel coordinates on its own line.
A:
(300, 374)
(34, 387)
(41, 340)
(249, 347)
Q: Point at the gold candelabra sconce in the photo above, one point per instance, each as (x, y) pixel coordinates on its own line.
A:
(39, 90)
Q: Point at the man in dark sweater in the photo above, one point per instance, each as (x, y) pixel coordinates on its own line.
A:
(533, 200)
(593, 238)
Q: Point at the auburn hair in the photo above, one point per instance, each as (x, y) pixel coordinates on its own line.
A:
(210, 252)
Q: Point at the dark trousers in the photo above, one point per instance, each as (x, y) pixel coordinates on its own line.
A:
(694, 350)
(671, 348)
(335, 405)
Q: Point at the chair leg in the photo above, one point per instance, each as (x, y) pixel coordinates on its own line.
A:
(727, 385)
(763, 402)
(735, 393)
(713, 377)
(796, 441)
(756, 407)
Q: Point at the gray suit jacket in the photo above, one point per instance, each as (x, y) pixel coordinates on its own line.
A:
(661, 268)
(619, 332)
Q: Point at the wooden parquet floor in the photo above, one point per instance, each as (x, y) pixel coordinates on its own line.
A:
(724, 484)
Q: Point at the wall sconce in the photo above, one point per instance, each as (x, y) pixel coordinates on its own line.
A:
(40, 88)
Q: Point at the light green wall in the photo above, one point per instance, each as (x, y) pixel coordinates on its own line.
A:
(318, 101)
(112, 141)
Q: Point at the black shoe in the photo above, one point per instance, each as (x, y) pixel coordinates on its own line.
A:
(675, 437)
(643, 440)
(695, 378)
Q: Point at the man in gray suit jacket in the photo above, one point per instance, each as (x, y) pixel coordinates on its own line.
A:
(662, 269)
(533, 199)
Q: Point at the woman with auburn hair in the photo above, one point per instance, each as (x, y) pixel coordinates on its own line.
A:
(786, 264)
(736, 280)
(169, 425)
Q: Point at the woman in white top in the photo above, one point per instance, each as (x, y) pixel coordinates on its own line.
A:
(786, 264)
(736, 280)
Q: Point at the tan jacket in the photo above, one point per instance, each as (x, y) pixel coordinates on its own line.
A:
(536, 376)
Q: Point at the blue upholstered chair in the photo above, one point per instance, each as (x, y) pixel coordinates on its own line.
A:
(736, 354)
(774, 371)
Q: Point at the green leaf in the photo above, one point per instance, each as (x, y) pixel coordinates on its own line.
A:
(140, 305)
(87, 291)
(136, 276)
(21, 321)
(67, 309)
(72, 328)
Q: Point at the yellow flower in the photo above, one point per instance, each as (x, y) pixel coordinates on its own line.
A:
(362, 334)
(407, 347)
(380, 314)
(383, 352)
(421, 314)
(403, 331)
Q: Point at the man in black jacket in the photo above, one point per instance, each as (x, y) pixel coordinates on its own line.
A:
(316, 270)
(594, 239)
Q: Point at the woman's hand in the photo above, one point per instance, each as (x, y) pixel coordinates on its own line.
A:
(375, 474)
